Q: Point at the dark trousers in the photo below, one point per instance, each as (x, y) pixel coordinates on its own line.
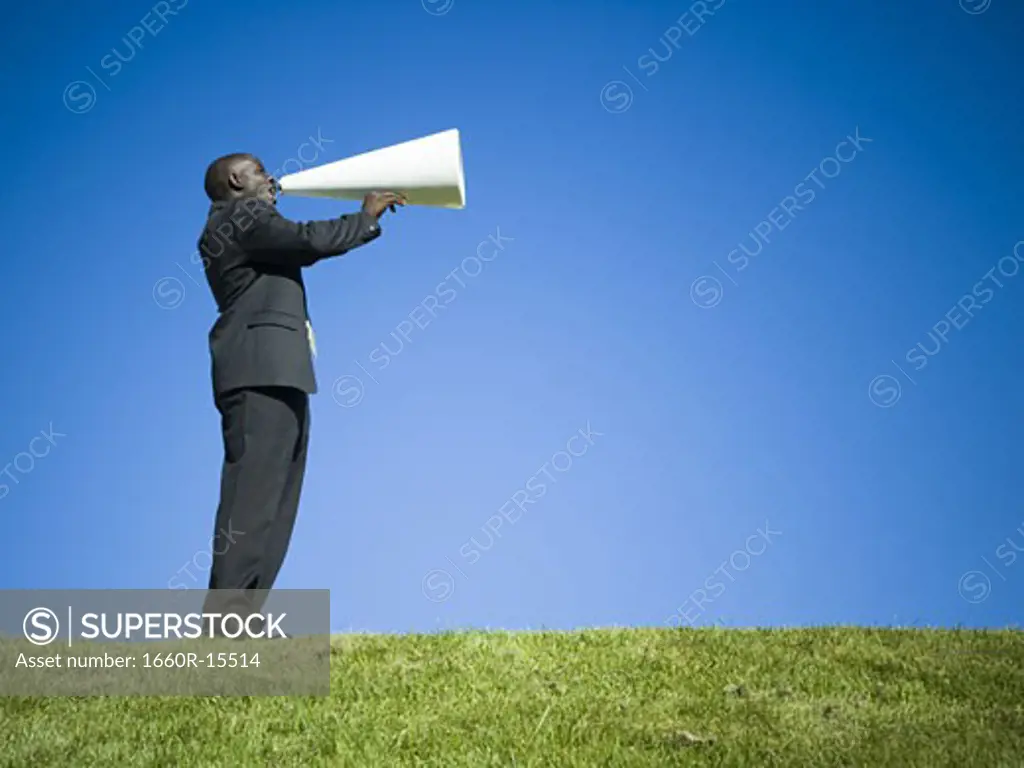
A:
(266, 434)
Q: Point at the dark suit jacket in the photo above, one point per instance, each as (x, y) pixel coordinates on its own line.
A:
(253, 259)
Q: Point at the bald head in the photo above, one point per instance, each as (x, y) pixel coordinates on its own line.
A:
(239, 175)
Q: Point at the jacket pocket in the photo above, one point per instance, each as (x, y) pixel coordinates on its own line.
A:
(275, 318)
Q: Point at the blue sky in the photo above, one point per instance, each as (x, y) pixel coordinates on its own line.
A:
(724, 229)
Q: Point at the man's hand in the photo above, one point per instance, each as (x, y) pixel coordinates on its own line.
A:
(376, 203)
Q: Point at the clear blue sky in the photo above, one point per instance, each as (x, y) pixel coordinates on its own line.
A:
(724, 392)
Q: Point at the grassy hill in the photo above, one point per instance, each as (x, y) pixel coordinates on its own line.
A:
(696, 697)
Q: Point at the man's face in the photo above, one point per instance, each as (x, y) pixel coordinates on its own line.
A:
(251, 179)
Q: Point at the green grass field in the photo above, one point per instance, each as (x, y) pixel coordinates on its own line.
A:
(695, 697)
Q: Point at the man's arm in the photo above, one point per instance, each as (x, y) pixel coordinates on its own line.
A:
(270, 238)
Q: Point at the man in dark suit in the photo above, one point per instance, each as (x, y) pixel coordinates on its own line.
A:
(261, 347)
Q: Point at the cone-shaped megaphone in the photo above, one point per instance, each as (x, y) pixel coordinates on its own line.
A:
(427, 171)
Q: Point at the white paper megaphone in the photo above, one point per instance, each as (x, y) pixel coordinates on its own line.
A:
(428, 171)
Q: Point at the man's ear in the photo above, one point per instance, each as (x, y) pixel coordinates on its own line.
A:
(234, 181)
